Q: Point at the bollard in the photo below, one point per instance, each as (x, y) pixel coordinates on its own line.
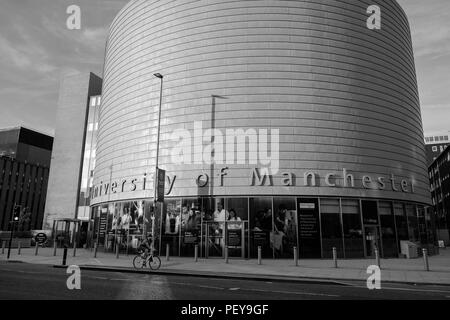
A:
(36, 251)
(74, 249)
(377, 257)
(196, 253)
(117, 250)
(425, 259)
(95, 249)
(55, 245)
(226, 254)
(167, 252)
(259, 255)
(296, 256)
(64, 262)
(3, 247)
(335, 257)
(19, 248)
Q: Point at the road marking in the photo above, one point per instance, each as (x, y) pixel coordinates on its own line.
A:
(407, 289)
(233, 289)
(93, 277)
(196, 285)
(209, 287)
(297, 293)
(30, 272)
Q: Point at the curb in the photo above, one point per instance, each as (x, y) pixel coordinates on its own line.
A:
(243, 276)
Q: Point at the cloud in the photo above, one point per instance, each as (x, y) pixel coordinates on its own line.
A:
(36, 48)
(95, 34)
(9, 54)
(430, 27)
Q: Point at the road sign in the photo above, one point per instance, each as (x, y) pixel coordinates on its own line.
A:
(161, 182)
(40, 238)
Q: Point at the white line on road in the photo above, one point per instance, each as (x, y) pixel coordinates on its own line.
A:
(120, 279)
(297, 293)
(210, 287)
(406, 289)
(99, 278)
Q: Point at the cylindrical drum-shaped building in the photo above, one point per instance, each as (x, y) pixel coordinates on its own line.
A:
(283, 124)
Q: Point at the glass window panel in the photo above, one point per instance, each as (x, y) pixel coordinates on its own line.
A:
(171, 224)
(285, 226)
(422, 225)
(191, 220)
(369, 212)
(353, 235)
(239, 205)
(261, 227)
(390, 248)
(111, 225)
(413, 228)
(331, 227)
(400, 222)
(237, 227)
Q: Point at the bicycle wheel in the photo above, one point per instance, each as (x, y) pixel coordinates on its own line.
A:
(154, 262)
(138, 262)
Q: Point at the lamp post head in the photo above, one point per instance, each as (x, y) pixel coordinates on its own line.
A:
(158, 75)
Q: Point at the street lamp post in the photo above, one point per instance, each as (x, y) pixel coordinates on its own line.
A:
(155, 193)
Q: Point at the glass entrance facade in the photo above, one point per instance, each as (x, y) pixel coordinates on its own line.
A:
(276, 224)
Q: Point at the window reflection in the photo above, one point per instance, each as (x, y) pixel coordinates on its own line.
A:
(261, 227)
(237, 227)
(285, 227)
(191, 219)
(276, 225)
(390, 248)
(353, 235)
(171, 227)
(413, 229)
(331, 227)
(400, 222)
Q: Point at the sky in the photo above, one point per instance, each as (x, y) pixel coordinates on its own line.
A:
(37, 49)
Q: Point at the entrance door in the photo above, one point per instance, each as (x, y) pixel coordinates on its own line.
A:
(372, 240)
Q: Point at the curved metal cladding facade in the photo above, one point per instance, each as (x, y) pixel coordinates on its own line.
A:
(341, 95)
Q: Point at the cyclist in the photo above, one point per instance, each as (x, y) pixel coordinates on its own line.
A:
(145, 246)
(146, 256)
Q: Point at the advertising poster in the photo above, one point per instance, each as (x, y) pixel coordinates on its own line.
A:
(309, 228)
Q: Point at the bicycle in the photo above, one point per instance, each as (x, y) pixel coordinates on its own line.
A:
(143, 259)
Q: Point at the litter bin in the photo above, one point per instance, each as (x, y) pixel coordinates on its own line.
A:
(409, 249)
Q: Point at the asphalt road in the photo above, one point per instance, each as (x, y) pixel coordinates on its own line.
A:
(26, 281)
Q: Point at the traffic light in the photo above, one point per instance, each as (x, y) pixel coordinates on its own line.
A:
(16, 213)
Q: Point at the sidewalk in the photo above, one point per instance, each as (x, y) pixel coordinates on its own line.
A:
(393, 270)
